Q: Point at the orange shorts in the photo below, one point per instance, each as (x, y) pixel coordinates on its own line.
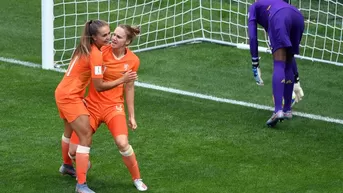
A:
(70, 111)
(112, 115)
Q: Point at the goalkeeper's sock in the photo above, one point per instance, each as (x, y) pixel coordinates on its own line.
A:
(278, 84)
(288, 89)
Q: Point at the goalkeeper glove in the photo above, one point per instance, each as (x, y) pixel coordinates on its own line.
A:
(256, 71)
(299, 93)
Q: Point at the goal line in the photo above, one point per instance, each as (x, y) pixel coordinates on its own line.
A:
(193, 94)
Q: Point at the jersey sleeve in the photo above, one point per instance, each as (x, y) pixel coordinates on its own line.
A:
(136, 64)
(252, 31)
(96, 63)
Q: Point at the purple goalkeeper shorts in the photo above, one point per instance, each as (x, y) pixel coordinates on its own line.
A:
(285, 30)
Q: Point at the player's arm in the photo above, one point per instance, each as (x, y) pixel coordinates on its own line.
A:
(130, 101)
(252, 31)
(130, 98)
(96, 65)
(253, 43)
(100, 85)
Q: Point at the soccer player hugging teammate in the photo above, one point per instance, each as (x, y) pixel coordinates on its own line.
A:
(85, 66)
(108, 106)
(284, 24)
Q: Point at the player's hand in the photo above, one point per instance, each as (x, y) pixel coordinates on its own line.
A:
(130, 76)
(299, 93)
(132, 123)
(257, 71)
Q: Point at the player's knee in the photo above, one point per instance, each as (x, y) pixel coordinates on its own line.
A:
(122, 145)
(88, 133)
(67, 129)
(122, 142)
(85, 137)
(128, 151)
(85, 132)
(67, 133)
(280, 54)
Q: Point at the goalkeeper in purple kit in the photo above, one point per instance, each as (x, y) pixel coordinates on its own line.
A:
(285, 25)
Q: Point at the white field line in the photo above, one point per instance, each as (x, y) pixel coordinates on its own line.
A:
(192, 94)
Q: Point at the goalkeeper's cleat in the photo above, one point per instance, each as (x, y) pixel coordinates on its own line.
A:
(287, 115)
(66, 169)
(276, 117)
(140, 185)
(83, 188)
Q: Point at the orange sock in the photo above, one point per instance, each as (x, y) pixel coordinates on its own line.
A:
(130, 161)
(82, 158)
(65, 148)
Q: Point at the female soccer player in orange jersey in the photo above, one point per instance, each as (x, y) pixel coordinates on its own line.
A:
(86, 66)
(108, 106)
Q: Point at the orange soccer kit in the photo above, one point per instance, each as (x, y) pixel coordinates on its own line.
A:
(108, 106)
(70, 92)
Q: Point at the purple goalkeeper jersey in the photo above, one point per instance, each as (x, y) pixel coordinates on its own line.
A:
(261, 13)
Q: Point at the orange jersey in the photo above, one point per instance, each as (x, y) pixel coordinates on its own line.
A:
(113, 69)
(78, 76)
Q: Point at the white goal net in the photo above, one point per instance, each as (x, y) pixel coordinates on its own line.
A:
(171, 22)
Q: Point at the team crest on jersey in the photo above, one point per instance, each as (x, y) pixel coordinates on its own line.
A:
(126, 67)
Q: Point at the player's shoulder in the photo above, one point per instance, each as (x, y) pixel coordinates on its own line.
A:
(132, 55)
(263, 2)
(254, 4)
(252, 7)
(95, 51)
(106, 49)
(106, 52)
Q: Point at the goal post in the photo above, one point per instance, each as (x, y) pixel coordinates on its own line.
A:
(47, 10)
(172, 22)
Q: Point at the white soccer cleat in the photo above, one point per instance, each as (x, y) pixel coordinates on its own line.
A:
(66, 169)
(275, 118)
(83, 188)
(287, 115)
(140, 185)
